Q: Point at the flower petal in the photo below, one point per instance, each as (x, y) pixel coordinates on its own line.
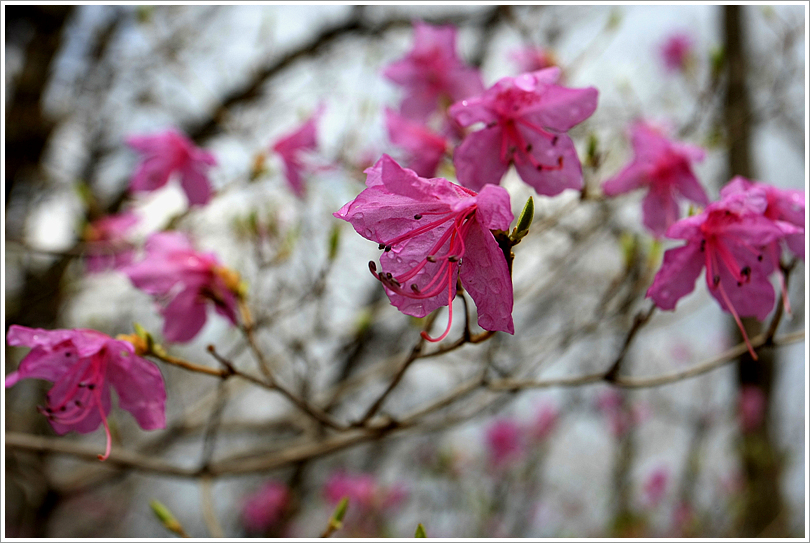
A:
(139, 386)
(184, 316)
(551, 179)
(477, 159)
(486, 278)
(677, 276)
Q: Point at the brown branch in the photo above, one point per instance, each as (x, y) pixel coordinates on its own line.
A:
(645, 382)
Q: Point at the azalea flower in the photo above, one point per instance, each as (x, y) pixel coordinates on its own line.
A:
(786, 209)
(433, 233)
(729, 238)
(432, 72)
(83, 364)
(656, 485)
(526, 119)
(262, 509)
(425, 148)
(167, 153)
(545, 422)
(106, 243)
(784, 206)
(664, 168)
(185, 281)
(363, 491)
(676, 51)
(293, 146)
(532, 58)
(504, 439)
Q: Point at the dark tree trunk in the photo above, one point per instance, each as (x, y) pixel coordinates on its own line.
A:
(762, 513)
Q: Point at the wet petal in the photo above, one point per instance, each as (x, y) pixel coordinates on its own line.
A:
(485, 276)
(552, 178)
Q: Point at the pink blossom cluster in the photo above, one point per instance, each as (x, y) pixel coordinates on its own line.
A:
(738, 240)
(265, 507)
(434, 232)
(508, 440)
(364, 492)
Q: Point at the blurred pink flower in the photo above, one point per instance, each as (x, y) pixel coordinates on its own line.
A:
(620, 416)
(532, 58)
(106, 244)
(262, 509)
(676, 51)
(432, 71)
(504, 439)
(751, 408)
(525, 122)
(545, 422)
(425, 148)
(83, 364)
(664, 168)
(293, 146)
(184, 280)
(169, 152)
(426, 227)
(363, 491)
(656, 485)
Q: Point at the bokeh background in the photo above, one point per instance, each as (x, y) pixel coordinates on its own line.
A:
(720, 454)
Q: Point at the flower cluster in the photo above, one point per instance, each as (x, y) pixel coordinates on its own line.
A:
(83, 365)
(265, 507)
(508, 440)
(736, 240)
(363, 491)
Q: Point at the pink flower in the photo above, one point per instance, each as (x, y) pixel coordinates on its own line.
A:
(751, 408)
(545, 422)
(786, 209)
(656, 485)
(106, 243)
(293, 146)
(532, 58)
(432, 71)
(167, 153)
(526, 120)
(262, 509)
(729, 238)
(784, 206)
(185, 281)
(504, 440)
(363, 492)
(425, 148)
(434, 232)
(611, 404)
(676, 51)
(83, 364)
(663, 167)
